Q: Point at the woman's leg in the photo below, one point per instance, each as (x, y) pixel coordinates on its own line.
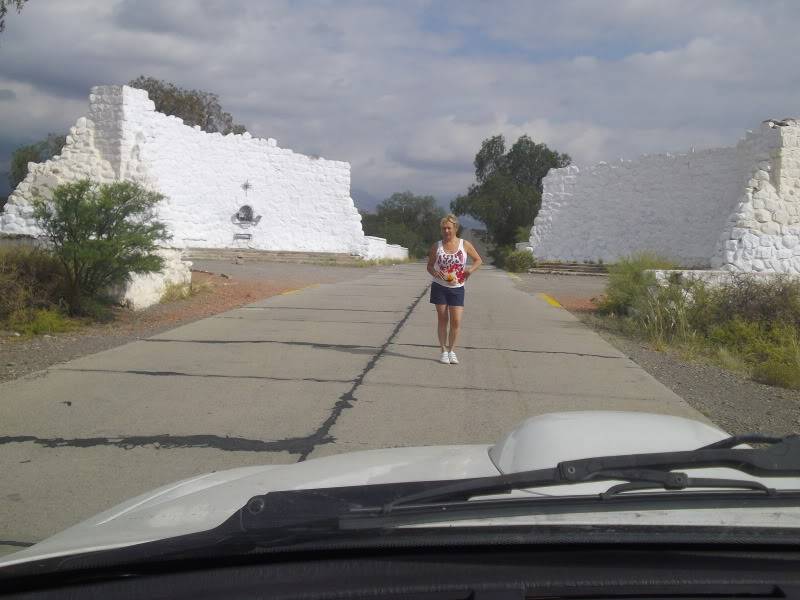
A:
(455, 325)
(441, 329)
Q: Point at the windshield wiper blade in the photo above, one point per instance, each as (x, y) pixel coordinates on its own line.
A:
(685, 483)
(780, 458)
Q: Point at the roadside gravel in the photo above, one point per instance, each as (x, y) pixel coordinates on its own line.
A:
(225, 286)
(735, 403)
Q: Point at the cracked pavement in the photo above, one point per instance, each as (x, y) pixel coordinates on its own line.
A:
(334, 368)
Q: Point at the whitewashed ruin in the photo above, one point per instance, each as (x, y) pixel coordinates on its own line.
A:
(232, 191)
(734, 209)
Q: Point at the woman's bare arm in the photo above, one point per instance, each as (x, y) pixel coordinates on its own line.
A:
(431, 261)
(477, 261)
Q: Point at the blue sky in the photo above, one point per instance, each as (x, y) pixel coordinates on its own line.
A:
(405, 91)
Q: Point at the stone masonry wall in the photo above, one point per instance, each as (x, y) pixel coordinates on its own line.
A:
(674, 205)
(729, 208)
(300, 203)
(763, 231)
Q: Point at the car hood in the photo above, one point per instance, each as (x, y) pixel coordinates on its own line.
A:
(205, 501)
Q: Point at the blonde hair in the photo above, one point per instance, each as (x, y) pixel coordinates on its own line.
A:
(449, 218)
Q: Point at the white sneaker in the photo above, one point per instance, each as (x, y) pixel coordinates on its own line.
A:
(453, 358)
(445, 358)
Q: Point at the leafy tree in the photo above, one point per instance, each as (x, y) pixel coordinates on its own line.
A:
(38, 152)
(4, 6)
(100, 234)
(195, 107)
(507, 192)
(405, 219)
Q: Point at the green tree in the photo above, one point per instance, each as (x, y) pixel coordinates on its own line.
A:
(405, 219)
(195, 107)
(4, 6)
(38, 152)
(101, 234)
(507, 192)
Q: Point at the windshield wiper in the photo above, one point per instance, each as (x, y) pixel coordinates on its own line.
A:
(781, 458)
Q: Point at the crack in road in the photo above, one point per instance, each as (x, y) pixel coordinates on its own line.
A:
(230, 444)
(346, 400)
(582, 354)
(16, 544)
(305, 320)
(202, 375)
(302, 446)
(318, 345)
(314, 308)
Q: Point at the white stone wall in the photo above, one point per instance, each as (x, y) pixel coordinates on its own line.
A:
(396, 252)
(713, 278)
(147, 289)
(730, 208)
(303, 202)
(673, 205)
(763, 231)
(374, 248)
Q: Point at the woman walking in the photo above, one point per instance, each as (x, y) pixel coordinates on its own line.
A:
(447, 264)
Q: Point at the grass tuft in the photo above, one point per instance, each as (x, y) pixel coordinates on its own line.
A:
(180, 291)
(40, 321)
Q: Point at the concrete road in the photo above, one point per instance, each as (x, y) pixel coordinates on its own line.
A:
(333, 368)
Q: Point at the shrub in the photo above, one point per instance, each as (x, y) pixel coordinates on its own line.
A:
(773, 301)
(29, 278)
(778, 373)
(519, 261)
(101, 234)
(664, 313)
(40, 320)
(499, 255)
(628, 282)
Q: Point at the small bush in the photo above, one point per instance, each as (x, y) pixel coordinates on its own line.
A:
(29, 278)
(40, 320)
(519, 261)
(181, 291)
(731, 361)
(750, 299)
(500, 254)
(628, 282)
(101, 233)
(774, 372)
(665, 313)
(176, 291)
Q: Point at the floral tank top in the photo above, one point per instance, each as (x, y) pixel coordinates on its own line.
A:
(452, 265)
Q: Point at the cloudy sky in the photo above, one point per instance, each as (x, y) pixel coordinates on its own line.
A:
(406, 90)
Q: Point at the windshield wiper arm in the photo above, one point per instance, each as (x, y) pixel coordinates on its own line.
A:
(780, 458)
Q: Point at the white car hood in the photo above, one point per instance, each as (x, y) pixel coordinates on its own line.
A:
(204, 502)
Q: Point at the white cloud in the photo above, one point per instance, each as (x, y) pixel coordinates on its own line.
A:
(407, 91)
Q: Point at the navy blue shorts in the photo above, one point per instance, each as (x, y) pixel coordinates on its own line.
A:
(441, 294)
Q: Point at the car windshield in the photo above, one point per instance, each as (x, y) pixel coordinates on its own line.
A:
(432, 255)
